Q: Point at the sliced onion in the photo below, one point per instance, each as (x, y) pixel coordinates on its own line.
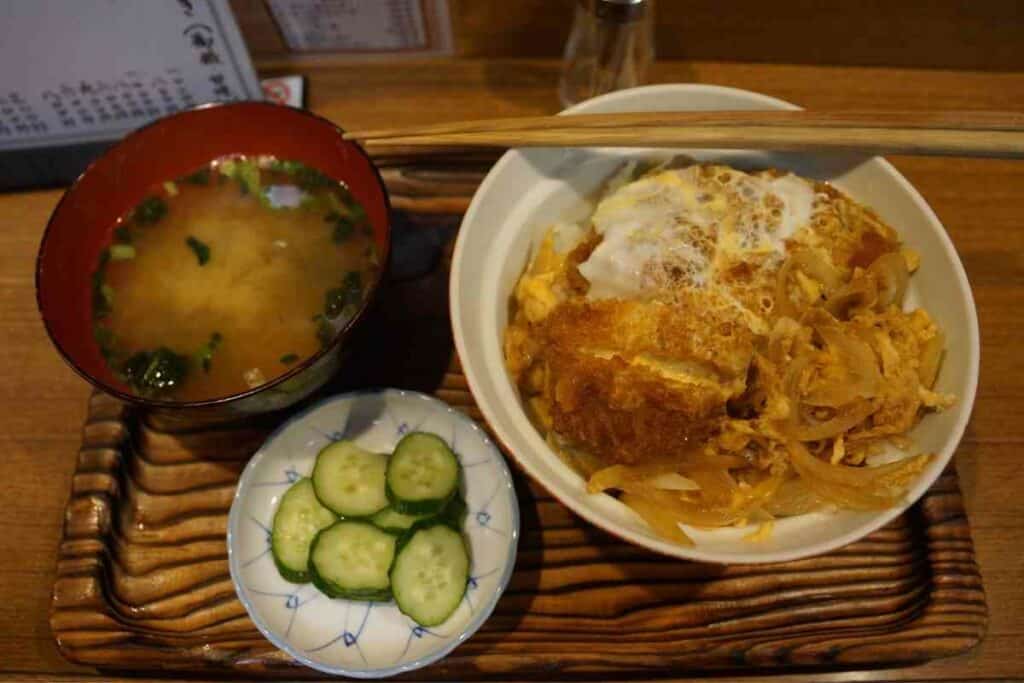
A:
(664, 523)
(607, 478)
(811, 468)
(931, 359)
(854, 355)
(846, 419)
(855, 352)
(716, 486)
(850, 497)
(673, 481)
(893, 278)
(809, 264)
(784, 306)
(691, 513)
(860, 292)
(629, 477)
(792, 498)
(817, 267)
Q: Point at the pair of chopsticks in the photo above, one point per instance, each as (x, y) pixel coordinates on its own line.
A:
(944, 133)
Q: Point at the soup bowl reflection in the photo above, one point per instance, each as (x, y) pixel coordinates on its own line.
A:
(81, 227)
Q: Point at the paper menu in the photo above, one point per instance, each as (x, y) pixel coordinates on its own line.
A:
(364, 27)
(87, 71)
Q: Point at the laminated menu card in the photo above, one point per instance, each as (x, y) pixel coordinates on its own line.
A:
(77, 75)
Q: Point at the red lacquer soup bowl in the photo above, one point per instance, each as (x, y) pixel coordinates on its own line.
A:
(81, 227)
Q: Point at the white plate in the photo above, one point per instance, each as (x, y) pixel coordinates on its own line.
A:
(365, 639)
(527, 190)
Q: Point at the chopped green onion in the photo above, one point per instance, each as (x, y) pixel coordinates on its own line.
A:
(123, 234)
(289, 358)
(289, 167)
(122, 252)
(171, 188)
(245, 171)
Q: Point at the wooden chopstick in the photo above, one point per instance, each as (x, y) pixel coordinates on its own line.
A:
(957, 133)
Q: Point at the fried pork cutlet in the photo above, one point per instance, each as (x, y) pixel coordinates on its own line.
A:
(637, 380)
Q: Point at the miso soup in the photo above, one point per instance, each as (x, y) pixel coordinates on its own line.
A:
(225, 278)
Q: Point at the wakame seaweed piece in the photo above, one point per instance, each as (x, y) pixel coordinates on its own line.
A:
(285, 166)
(289, 358)
(123, 234)
(205, 354)
(353, 283)
(344, 299)
(308, 178)
(149, 211)
(357, 213)
(200, 248)
(343, 227)
(200, 177)
(324, 329)
(154, 372)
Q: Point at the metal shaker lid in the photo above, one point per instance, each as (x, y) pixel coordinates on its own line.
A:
(620, 10)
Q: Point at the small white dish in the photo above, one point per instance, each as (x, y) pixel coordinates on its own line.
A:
(529, 189)
(366, 639)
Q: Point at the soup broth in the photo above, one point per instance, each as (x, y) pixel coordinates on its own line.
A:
(225, 278)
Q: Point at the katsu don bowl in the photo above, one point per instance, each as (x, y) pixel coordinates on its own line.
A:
(720, 355)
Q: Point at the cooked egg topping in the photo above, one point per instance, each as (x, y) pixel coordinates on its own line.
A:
(685, 227)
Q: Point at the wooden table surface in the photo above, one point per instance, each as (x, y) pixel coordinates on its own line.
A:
(981, 203)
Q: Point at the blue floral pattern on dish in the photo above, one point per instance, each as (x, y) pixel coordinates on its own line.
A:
(368, 639)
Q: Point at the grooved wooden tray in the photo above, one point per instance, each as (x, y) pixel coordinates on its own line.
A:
(142, 574)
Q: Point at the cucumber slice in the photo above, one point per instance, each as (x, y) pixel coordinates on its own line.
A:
(298, 519)
(422, 475)
(351, 560)
(428, 578)
(349, 480)
(395, 522)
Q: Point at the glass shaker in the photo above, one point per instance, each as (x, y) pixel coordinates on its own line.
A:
(610, 47)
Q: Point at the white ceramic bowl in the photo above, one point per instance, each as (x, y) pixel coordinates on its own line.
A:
(368, 639)
(529, 189)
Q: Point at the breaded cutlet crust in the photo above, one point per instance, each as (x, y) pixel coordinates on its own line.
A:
(631, 380)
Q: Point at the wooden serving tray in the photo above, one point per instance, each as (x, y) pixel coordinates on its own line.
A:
(142, 573)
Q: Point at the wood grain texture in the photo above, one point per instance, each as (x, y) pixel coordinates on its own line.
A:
(979, 201)
(143, 583)
(142, 576)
